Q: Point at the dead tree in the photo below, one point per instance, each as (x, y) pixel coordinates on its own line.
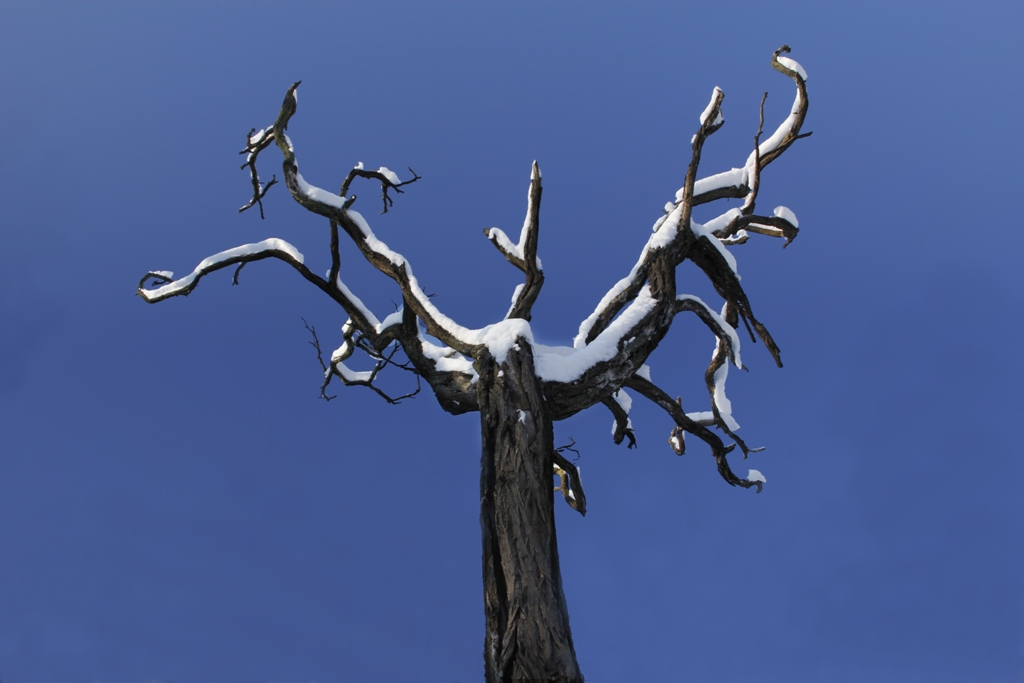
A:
(519, 387)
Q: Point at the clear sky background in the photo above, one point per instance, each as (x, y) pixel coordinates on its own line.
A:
(177, 505)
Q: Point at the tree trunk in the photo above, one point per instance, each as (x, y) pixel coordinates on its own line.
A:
(527, 621)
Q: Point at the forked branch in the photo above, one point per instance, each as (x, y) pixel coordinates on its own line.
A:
(388, 181)
(523, 255)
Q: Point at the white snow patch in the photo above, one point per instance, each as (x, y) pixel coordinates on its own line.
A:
(722, 221)
(677, 441)
(722, 401)
(734, 177)
(515, 298)
(566, 367)
(711, 105)
(522, 417)
(351, 375)
(784, 213)
(318, 194)
(389, 174)
(390, 321)
(645, 372)
(358, 303)
(624, 400)
(446, 359)
(703, 231)
(792, 65)
(373, 243)
(754, 475)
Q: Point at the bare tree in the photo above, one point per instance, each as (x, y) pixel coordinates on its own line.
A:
(520, 387)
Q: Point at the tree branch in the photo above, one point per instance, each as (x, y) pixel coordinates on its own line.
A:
(388, 181)
(709, 259)
(718, 449)
(623, 427)
(353, 378)
(572, 486)
(772, 226)
(336, 208)
(735, 184)
(271, 248)
(246, 253)
(256, 142)
(524, 254)
(667, 247)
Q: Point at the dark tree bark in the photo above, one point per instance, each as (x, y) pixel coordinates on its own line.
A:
(527, 621)
(521, 388)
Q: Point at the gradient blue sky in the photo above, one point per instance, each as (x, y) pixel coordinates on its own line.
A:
(176, 504)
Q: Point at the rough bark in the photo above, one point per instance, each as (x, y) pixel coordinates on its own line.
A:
(527, 622)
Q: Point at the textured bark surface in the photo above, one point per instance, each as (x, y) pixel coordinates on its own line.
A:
(528, 636)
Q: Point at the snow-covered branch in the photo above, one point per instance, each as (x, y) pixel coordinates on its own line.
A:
(523, 255)
(167, 286)
(612, 344)
(622, 427)
(665, 248)
(736, 183)
(719, 450)
(337, 209)
(782, 224)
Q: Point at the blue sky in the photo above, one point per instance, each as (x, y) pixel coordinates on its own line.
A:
(176, 504)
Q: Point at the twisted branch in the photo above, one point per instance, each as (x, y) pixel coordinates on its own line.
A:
(388, 181)
(718, 449)
(256, 142)
(623, 427)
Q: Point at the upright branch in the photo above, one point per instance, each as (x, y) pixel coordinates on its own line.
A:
(523, 255)
(257, 141)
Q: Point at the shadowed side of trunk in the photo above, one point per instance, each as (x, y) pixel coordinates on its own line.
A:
(528, 636)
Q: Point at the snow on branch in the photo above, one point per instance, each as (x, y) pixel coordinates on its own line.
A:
(664, 249)
(726, 282)
(685, 424)
(337, 209)
(348, 377)
(622, 427)
(388, 181)
(256, 142)
(271, 248)
(613, 343)
(782, 224)
(736, 183)
(523, 255)
(725, 332)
